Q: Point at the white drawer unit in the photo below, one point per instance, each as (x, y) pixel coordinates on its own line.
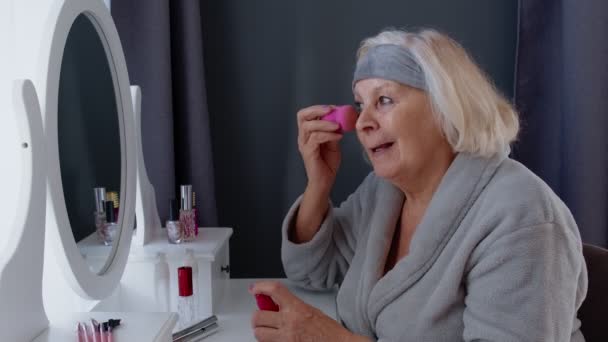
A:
(141, 290)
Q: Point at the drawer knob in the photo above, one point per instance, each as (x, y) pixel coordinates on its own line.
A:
(225, 268)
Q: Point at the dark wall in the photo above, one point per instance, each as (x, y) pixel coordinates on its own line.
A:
(266, 59)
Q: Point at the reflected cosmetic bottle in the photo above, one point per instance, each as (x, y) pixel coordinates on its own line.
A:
(174, 227)
(186, 302)
(112, 196)
(100, 214)
(111, 228)
(186, 215)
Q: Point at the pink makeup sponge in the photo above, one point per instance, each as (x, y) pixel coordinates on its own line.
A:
(266, 303)
(345, 116)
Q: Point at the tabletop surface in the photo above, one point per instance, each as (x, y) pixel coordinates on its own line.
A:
(234, 318)
(135, 326)
(237, 307)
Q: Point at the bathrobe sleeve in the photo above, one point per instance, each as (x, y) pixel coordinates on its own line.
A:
(522, 286)
(322, 262)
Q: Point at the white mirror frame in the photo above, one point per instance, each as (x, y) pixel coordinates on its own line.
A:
(49, 23)
(22, 315)
(148, 221)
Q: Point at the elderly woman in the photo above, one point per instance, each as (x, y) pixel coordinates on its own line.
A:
(448, 238)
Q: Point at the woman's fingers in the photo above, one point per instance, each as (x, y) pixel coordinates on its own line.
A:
(268, 319)
(264, 334)
(318, 145)
(319, 126)
(312, 113)
(317, 138)
(277, 291)
(306, 128)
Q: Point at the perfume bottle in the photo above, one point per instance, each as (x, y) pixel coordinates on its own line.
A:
(100, 214)
(186, 302)
(186, 215)
(111, 228)
(174, 227)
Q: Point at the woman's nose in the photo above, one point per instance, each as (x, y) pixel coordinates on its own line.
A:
(366, 121)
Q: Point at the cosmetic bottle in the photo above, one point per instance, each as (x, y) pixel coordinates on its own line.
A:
(173, 226)
(100, 214)
(161, 282)
(82, 334)
(190, 261)
(195, 211)
(186, 216)
(111, 228)
(106, 332)
(90, 335)
(96, 330)
(186, 302)
(112, 196)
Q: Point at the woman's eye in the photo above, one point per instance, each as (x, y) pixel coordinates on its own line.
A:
(358, 107)
(383, 100)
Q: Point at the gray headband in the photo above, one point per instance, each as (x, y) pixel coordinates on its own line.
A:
(390, 62)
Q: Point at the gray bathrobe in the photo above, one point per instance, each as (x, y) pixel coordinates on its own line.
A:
(496, 257)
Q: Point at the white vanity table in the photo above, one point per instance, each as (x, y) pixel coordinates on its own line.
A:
(219, 295)
(234, 317)
(50, 277)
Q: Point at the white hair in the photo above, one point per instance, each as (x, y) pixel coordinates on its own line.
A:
(472, 114)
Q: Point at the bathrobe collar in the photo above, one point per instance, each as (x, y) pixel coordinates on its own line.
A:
(464, 180)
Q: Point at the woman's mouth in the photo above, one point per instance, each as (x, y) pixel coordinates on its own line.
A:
(382, 148)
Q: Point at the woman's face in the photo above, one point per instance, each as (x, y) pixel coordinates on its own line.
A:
(397, 128)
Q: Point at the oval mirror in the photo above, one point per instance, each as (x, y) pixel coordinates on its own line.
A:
(89, 143)
(84, 90)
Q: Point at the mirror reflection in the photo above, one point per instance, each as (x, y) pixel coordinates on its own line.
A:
(89, 143)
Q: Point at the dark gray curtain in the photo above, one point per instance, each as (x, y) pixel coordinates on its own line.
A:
(266, 59)
(561, 90)
(163, 45)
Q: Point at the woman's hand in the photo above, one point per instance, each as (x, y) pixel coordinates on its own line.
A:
(295, 320)
(318, 145)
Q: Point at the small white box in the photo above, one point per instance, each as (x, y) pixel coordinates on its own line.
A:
(137, 287)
